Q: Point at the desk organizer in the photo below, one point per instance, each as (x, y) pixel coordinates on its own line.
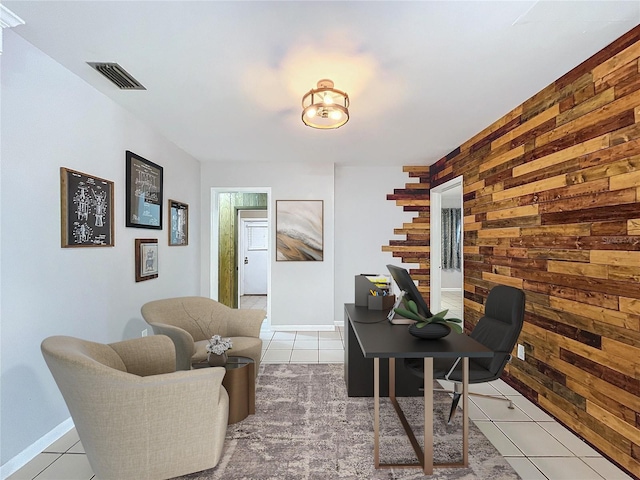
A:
(364, 286)
(380, 302)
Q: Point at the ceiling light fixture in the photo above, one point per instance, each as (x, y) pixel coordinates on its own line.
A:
(325, 107)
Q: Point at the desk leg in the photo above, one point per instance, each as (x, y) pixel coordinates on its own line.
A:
(427, 464)
(376, 412)
(425, 459)
(465, 412)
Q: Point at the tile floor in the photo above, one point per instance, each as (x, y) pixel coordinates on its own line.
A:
(537, 446)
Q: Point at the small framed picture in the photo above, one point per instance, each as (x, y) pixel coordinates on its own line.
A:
(86, 210)
(146, 259)
(179, 218)
(144, 193)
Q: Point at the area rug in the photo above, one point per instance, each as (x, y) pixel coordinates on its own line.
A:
(307, 428)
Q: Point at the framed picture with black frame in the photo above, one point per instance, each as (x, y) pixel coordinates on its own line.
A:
(179, 218)
(143, 193)
(146, 259)
(86, 210)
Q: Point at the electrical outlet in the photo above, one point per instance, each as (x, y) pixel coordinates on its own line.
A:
(521, 351)
(144, 332)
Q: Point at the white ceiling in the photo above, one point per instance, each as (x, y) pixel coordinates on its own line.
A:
(225, 79)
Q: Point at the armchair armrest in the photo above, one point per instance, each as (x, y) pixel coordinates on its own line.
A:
(147, 356)
(244, 323)
(182, 340)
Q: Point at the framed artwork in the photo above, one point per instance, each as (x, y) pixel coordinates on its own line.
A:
(299, 230)
(144, 193)
(146, 259)
(86, 210)
(179, 218)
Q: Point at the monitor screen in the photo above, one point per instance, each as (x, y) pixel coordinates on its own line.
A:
(405, 283)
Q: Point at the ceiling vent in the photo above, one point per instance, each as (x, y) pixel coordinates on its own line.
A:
(118, 75)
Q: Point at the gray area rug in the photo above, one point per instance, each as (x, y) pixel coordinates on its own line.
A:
(307, 428)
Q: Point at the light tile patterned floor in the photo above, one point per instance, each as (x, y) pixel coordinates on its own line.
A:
(537, 446)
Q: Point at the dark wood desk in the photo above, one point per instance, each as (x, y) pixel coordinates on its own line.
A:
(358, 370)
(384, 340)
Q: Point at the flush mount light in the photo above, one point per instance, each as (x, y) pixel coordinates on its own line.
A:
(325, 107)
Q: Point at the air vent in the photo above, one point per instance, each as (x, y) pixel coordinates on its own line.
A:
(118, 75)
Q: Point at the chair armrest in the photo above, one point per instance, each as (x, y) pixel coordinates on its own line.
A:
(244, 323)
(147, 356)
(182, 340)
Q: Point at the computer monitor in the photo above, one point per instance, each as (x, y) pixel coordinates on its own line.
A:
(405, 284)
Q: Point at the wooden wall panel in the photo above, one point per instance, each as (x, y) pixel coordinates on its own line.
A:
(552, 206)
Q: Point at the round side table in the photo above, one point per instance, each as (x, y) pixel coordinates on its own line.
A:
(239, 381)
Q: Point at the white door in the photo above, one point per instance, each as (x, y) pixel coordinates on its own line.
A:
(255, 254)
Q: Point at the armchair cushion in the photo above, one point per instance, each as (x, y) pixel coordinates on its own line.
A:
(191, 321)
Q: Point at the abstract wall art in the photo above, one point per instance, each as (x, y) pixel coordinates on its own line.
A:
(299, 230)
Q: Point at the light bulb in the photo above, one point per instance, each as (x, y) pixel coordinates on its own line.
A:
(328, 99)
(335, 115)
(311, 112)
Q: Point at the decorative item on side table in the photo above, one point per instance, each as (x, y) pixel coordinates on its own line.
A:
(217, 350)
(430, 328)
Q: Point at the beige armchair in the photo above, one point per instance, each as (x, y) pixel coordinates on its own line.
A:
(191, 321)
(136, 416)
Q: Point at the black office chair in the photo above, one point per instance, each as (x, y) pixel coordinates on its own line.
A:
(498, 330)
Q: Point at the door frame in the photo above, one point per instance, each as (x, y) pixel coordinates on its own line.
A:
(435, 259)
(215, 239)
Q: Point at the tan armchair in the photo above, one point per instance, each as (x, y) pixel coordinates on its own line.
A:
(136, 416)
(191, 321)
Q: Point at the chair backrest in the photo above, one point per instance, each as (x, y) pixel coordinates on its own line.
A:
(143, 356)
(75, 354)
(200, 316)
(500, 326)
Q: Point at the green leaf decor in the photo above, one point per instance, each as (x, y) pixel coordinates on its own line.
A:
(410, 310)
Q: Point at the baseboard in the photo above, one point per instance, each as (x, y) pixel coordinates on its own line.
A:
(451, 290)
(302, 328)
(35, 449)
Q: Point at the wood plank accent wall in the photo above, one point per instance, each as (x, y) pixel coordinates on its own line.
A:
(228, 205)
(415, 249)
(552, 206)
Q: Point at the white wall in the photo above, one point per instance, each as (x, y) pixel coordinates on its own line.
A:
(365, 220)
(51, 118)
(301, 292)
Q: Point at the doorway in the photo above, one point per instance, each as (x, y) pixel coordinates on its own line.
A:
(447, 285)
(226, 247)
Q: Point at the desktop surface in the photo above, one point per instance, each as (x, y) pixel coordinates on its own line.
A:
(382, 339)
